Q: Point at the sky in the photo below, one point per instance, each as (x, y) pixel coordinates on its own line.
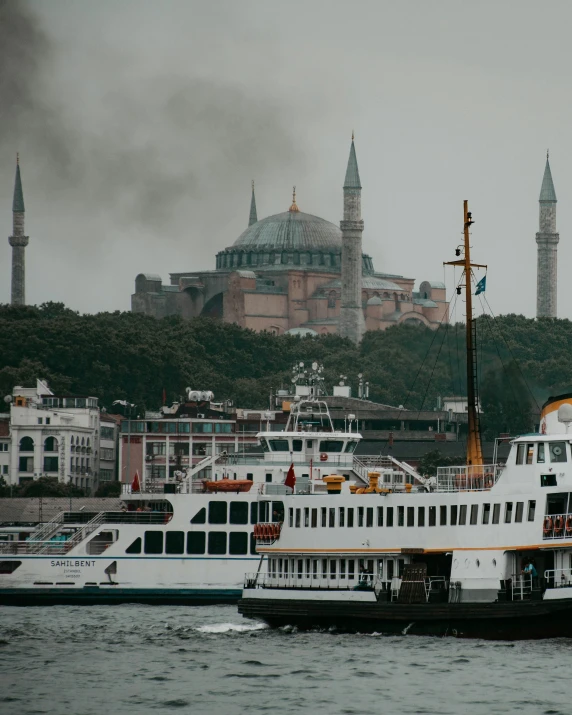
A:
(140, 125)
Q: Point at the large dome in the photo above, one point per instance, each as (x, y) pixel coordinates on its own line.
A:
(291, 231)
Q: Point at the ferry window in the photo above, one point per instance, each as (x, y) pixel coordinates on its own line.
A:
(153, 542)
(360, 516)
(268, 478)
(519, 511)
(324, 516)
(496, 513)
(238, 512)
(217, 542)
(252, 544)
(462, 515)
(264, 444)
(324, 568)
(277, 511)
(342, 516)
(285, 568)
(300, 568)
(548, 480)
(369, 516)
(540, 453)
(380, 516)
(351, 569)
(195, 542)
(474, 513)
(432, 515)
(453, 515)
(290, 517)
(390, 567)
(298, 518)
(331, 445)
(217, 512)
(531, 509)
(557, 451)
(486, 513)
(508, 512)
(308, 562)
(529, 453)
(135, 547)
(315, 568)
(350, 517)
(331, 517)
(400, 516)
(279, 445)
(410, 516)
(351, 446)
(332, 568)
(237, 543)
(254, 513)
(296, 445)
(314, 518)
(389, 515)
(421, 516)
(263, 511)
(306, 517)
(443, 515)
(520, 451)
(342, 568)
(401, 567)
(250, 476)
(175, 542)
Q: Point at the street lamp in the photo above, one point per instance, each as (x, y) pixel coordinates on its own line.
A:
(127, 406)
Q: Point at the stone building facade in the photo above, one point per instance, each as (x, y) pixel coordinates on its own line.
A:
(547, 240)
(295, 272)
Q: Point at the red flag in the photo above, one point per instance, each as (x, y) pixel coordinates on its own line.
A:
(135, 485)
(290, 480)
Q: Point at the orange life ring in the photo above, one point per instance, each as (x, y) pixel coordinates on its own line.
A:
(323, 457)
(558, 525)
(547, 528)
(569, 524)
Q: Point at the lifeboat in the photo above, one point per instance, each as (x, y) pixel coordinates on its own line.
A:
(229, 485)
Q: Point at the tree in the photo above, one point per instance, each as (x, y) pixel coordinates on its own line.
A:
(431, 460)
(108, 489)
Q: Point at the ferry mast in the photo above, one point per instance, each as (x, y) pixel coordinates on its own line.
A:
(474, 447)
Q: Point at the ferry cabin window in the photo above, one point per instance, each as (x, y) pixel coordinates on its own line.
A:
(254, 513)
(308, 568)
(557, 451)
(351, 446)
(175, 542)
(380, 516)
(351, 569)
(324, 514)
(264, 444)
(342, 516)
(217, 543)
(520, 452)
(548, 480)
(342, 568)
(486, 513)
(529, 453)
(298, 518)
(369, 516)
(390, 567)
(540, 454)
(268, 478)
(474, 513)
(300, 568)
(314, 518)
(237, 543)
(421, 516)
(290, 517)
(196, 542)
(324, 568)
(443, 515)
(350, 517)
(462, 515)
(279, 445)
(556, 503)
(496, 513)
(360, 516)
(400, 516)
(332, 517)
(264, 512)
(252, 545)
(453, 515)
(331, 445)
(531, 509)
(277, 511)
(508, 512)
(389, 514)
(410, 516)
(153, 542)
(296, 445)
(250, 476)
(238, 512)
(332, 568)
(432, 515)
(135, 547)
(315, 568)
(217, 512)
(306, 517)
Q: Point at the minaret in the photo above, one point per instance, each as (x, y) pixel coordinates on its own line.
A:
(18, 242)
(352, 324)
(547, 240)
(253, 218)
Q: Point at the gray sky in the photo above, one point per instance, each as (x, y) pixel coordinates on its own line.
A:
(140, 125)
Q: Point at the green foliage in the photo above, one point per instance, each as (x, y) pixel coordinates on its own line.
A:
(431, 460)
(45, 487)
(109, 489)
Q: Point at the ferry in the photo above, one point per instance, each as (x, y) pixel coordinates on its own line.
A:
(480, 550)
(193, 542)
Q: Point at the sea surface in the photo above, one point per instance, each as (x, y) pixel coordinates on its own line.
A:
(131, 660)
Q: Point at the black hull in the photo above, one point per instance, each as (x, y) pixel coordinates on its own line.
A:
(495, 621)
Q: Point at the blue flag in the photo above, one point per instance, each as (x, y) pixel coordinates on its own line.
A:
(481, 286)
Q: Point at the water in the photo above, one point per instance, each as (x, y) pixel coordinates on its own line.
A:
(128, 660)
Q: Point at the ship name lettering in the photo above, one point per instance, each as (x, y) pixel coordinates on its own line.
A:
(71, 563)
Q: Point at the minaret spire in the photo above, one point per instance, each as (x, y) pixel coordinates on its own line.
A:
(547, 240)
(18, 241)
(352, 324)
(253, 218)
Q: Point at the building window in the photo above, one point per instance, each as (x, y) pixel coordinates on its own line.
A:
(26, 444)
(50, 444)
(50, 464)
(26, 464)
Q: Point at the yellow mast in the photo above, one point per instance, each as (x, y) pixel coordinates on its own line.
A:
(474, 449)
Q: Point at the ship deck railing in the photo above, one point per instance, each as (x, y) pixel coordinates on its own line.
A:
(318, 583)
(558, 578)
(557, 526)
(468, 478)
(522, 585)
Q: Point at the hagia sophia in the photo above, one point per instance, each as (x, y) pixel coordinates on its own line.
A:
(297, 273)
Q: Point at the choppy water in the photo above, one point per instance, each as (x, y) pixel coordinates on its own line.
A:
(131, 660)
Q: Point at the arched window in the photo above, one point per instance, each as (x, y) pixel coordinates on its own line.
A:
(87, 442)
(82, 441)
(50, 444)
(72, 440)
(332, 299)
(26, 444)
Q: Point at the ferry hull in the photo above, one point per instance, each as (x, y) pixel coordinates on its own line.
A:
(495, 621)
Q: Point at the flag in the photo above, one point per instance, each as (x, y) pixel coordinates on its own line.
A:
(290, 480)
(135, 485)
(481, 286)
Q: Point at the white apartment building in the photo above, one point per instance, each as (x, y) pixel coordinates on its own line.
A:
(5, 446)
(108, 440)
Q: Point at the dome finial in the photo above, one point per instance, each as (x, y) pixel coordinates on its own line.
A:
(294, 206)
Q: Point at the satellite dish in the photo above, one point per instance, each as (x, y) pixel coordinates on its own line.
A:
(8, 399)
(565, 414)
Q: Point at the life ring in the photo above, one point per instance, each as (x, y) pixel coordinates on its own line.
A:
(558, 525)
(323, 457)
(569, 524)
(547, 528)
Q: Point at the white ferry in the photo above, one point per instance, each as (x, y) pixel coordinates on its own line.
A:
(480, 550)
(194, 542)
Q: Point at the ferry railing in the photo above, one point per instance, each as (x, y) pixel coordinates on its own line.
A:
(80, 534)
(521, 584)
(55, 548)
(318, 582)
(558, 578)
(46, 529)
(557, 526)
(468, 478)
